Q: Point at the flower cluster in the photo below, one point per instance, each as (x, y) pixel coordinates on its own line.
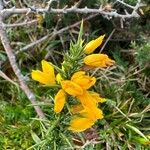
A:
(86, 111)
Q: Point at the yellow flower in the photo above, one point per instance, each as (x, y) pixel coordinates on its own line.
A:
(85, 119)
(92, 113)
(71, 88)
(92, 45)
(80, 124)
(79, 82)
(97, 98)
(60, 100)
(87, 100)
(46, 76)
(98, 60)
(83, 80)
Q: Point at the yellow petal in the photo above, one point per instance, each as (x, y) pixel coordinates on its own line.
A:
(98, 114)
(77, 75)
(93, 113)
(76, 108)
(48, 68)
(71, 88)
(86, 100)
(60, 100)
(98, 60)
(86, 118)
(79, 124)
(83, 80)
(97, 97)
(92, 45)
(42, 77)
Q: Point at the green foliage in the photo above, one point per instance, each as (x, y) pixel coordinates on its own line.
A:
(143, 54)
(15, 119)
(126, 87)
(73, 59)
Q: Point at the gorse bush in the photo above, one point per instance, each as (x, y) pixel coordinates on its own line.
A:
(76, 103)
(73, 81)
(91, 85)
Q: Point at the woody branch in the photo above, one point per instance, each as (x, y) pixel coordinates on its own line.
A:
(6, 44)
(73, 9)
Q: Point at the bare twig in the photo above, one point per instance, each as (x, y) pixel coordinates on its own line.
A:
(35, 43)
(53, 34)
(91, 142)
(32, 22)
(85, 10)
(138, 5)
(3, 75)
(12, 60)
(125, 4)
(49, 4)
(107, 40)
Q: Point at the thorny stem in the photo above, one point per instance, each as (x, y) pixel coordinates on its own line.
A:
(25, 23)
(73, 9)
(12, 60)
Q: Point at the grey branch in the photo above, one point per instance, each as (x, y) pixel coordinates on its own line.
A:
(52, 35)
(25, 23)
(12, 60)
(3, 75)
(74, 9)
(125, 4)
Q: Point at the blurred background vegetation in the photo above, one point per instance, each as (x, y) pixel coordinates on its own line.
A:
(126, 124)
